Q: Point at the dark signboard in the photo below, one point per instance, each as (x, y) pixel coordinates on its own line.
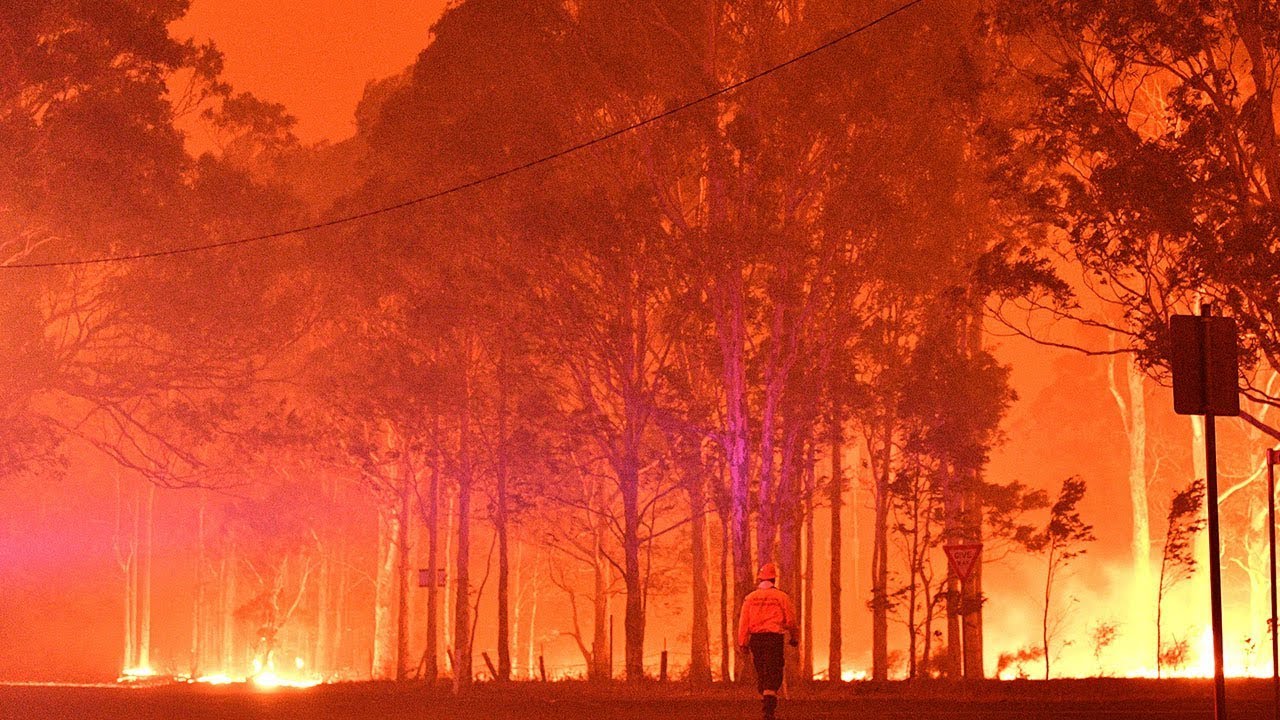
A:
(1203, 357)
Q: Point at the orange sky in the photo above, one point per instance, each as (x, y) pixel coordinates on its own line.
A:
(315, 56)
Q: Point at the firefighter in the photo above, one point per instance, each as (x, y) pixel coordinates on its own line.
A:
(767, 618)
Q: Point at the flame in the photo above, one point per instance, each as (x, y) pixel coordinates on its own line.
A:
(263, 678)
(139, 672)
(266, 678)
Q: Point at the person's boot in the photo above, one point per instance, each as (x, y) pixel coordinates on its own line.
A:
(769, 704)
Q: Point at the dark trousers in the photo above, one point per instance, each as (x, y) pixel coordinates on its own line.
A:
(766, 655)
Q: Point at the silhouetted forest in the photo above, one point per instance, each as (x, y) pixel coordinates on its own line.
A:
(579, 323)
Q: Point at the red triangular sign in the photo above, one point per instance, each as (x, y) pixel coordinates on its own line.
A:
(962, 558)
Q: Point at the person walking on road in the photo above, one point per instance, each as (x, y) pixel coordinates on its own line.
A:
(767, 618)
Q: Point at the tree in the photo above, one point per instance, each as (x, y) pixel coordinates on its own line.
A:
(97, 167)
(1061, 541)
(693, 236)
(835, 498)
(1154, 152)
(1178, 560)
(694, 470)
(1148, 157)
(1132, 405)
(582, 537)
(280, 556)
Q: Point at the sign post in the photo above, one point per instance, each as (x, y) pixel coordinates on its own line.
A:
(962, 558)
(1203, 357)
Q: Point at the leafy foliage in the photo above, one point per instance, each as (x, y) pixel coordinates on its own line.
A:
(1062, 540)
(1186, 519)
(1151, 145)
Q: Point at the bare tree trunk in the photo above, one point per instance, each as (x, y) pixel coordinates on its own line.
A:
(519, 588)
(1160, 616)
(197, 606)
(404, 663)
(448, 601)
(954, 531)
(432, 653)
(972, 599)
(855, 524)
(526, 593)
(769, 496)
(504, 561)
(601, 658)
(809, 564)
(726, 647)
(229, 572)
(700, 632)
(971, 587)
(926, 655)
(1131, 402)
(731, 329)
(504, 595)
(128, 564)
(955, 628)
(530, 666)
(633, 621)
(385, 664)
(911, 508)
(790, 517)
(1044, 617)
(880, 555)
(144, 628)
(533, 624)
(131, 614)
(341, 654)
(1256, 548)
(835, 496)
(323, 660)
(462, 563)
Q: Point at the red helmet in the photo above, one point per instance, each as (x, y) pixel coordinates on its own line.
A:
(768, 571)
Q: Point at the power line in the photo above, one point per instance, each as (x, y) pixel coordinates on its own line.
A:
(487, 178)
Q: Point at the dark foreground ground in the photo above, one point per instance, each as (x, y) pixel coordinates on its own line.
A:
(1106, 699)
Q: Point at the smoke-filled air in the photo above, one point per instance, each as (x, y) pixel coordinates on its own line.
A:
(638, 358)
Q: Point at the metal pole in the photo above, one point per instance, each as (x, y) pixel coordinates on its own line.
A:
(1271, 538)
(1215, 545)
(1215, 568)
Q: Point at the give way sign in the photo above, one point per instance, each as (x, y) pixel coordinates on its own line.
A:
(962, 558)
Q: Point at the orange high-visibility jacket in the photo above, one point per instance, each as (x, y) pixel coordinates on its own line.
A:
(766, 610)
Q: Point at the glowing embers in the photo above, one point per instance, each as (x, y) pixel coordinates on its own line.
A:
(137, 674)
(266, 676)
(216, 679)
